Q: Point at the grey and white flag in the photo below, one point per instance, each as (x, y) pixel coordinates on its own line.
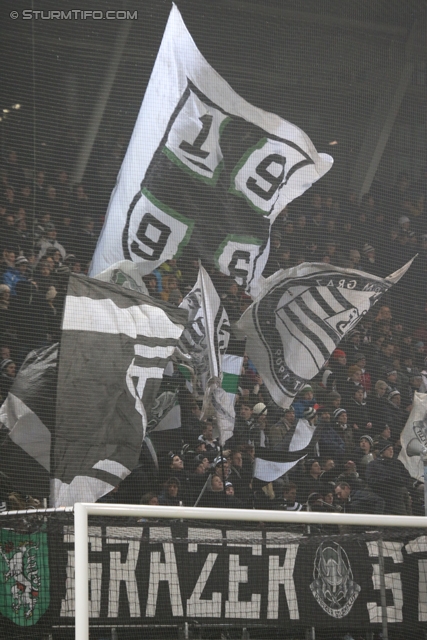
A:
(301, 315)
(27, 419)
(207, 333)
(115, 345)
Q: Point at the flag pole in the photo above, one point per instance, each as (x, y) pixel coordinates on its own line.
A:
(212, 369)
(205, 486)
(53, 435)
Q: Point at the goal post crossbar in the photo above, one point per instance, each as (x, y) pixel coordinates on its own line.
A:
(83, 510)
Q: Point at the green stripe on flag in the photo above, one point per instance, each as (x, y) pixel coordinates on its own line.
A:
(231, 367)
(230, 382)
(185, 372)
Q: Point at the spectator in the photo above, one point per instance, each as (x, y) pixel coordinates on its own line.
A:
(389, 478)
(343, 429)
(7, 376)
(304, 401)
(358, 500)
(279, 430)
(357, 411)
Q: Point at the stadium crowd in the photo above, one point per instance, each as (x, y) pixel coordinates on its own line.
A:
(361, 399)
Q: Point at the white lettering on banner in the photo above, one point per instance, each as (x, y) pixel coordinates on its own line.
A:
(95, 575)
(393, 581)
(193, 141)
(235, 608)
(166, 571)
(282, 575)
(419, 545)
(136, 378)
(123, 572)
(196, 606)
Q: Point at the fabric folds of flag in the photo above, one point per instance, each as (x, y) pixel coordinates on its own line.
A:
(271, 464)
(207, 333)
(414, 437)
(27, 419)
(206, 173)
(115, 345)
(302, 314)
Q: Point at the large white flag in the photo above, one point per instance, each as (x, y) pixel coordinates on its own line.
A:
(414, 437)
(205, 171)
(293, 326)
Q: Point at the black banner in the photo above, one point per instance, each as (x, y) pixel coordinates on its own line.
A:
(142, 573)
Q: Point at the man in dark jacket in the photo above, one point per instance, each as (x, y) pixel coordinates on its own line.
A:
(358, 500)
(390, 479)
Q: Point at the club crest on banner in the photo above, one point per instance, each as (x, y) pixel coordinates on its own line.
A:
(311, 314)
(24, 577)
(416, 445)
(333, 586)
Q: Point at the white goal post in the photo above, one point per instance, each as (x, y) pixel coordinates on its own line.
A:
(83, 510)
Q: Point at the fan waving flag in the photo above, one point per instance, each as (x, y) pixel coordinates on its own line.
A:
(205, 171)
(301, 316)
(114, 347)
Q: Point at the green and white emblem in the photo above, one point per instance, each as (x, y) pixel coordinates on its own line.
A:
(24, 576)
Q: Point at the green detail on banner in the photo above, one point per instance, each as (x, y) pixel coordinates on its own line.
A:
(24, 576)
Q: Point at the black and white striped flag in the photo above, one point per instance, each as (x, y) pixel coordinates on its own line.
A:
(115, 345)
(301, 315)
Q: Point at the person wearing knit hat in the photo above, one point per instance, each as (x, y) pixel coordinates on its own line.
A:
(310, 414)
(404, 223)
(394, 394)
(281, 428)
(339, 412)
(344, 430)
(340, 356)
(304, 400)
(260, 409)
(333, 400)
(394, 415)
(376, 403)
(16, 273)
(357, 410)
(364, 454)
(331, 444)
(369, 260)
(258, 435)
